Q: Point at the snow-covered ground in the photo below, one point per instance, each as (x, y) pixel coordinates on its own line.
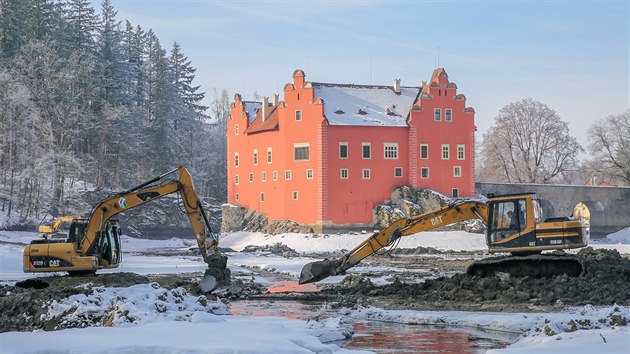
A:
(196, 330)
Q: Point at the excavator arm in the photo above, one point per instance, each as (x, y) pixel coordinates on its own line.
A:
(457, 211)
(120, 202)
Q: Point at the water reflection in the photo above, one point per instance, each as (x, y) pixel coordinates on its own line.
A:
(382, 337)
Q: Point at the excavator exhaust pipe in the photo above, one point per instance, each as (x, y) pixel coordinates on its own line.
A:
(316, 271)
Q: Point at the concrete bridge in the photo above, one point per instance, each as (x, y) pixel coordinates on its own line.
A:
(608, 208)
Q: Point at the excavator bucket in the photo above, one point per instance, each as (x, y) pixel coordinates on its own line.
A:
(316, 271)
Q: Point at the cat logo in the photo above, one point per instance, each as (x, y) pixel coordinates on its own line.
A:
(122, 203)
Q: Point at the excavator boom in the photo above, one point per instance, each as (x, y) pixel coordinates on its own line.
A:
(454, 212)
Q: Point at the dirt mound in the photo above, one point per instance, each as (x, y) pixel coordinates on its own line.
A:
(605, 281)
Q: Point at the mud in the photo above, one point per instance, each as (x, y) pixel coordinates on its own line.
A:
(605, 281)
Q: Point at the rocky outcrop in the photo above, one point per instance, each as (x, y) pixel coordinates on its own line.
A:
(408, 202)
(238, 218)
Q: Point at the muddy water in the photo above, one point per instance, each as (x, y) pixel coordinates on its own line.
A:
(380, 337)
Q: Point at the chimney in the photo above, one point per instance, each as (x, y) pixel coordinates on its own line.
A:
(274, 99)
(264, 109)
(397, 85)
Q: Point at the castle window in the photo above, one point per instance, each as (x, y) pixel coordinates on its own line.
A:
(235, 179)
(457, 171)
(424, 151)
(251, 177)
(262, 196)
(309, 173)
(236, 196)
(264, 176)
(236, 159)
(461, 148)
(398, 172)
(437, 113)
(455, 192)
(390, 150)
(343, 173)
(448, 115)
(274, 175)
(255, 157)
(366, 173)
(343, 150)
(268, 155)
(367, 150)
(236, 129)
(287, 175)
(445, 151)
(301, 152)
(424, 172)
(294, 195)
(298, 114)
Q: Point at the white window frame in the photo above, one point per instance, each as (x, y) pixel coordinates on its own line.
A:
(422, 169)
(301, 145)
(363, 145)
(446, 153)
(251, 177)
(236, 179)
(255, 157)
(298, 115)
(366, 173)
(309, 173)
(461, 148)
(269, 155)
(262, 197)
(236, 129)
(421, 146)
(347, 150)
(437, 114)
(236, 196)
(294, 195)
(236, 158)
(341, 173)
(448, 115)
(274, 175)
(263, 176)
(401, 172)
(287, 175)
(394, 151)
(457, 169)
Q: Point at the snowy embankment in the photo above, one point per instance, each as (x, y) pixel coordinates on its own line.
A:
(576, 330)
(148, 318)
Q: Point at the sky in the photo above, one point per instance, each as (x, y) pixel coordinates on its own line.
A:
(570, 55)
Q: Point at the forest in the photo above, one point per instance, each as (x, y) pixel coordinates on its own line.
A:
(90, 102)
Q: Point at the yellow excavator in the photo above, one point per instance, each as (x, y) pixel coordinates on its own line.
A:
(93, 243)
(514, 225)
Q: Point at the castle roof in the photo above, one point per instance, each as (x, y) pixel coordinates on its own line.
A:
(257, 125)
(366, 105)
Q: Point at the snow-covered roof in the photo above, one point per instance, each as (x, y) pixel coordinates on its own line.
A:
(251, 107)
(366, 105)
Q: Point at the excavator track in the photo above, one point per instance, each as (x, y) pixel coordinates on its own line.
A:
(536, 266)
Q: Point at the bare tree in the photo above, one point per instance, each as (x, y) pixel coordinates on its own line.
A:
(528, 143)
(609, 140)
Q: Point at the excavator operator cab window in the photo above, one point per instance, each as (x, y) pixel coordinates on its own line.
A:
(506, 219)
(77, 232)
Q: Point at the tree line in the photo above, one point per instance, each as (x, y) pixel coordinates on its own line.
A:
(86, 98)
(530, 143)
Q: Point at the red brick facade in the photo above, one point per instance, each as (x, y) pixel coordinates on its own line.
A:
(329, 153)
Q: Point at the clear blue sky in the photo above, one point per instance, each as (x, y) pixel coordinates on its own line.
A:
(571, 55)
